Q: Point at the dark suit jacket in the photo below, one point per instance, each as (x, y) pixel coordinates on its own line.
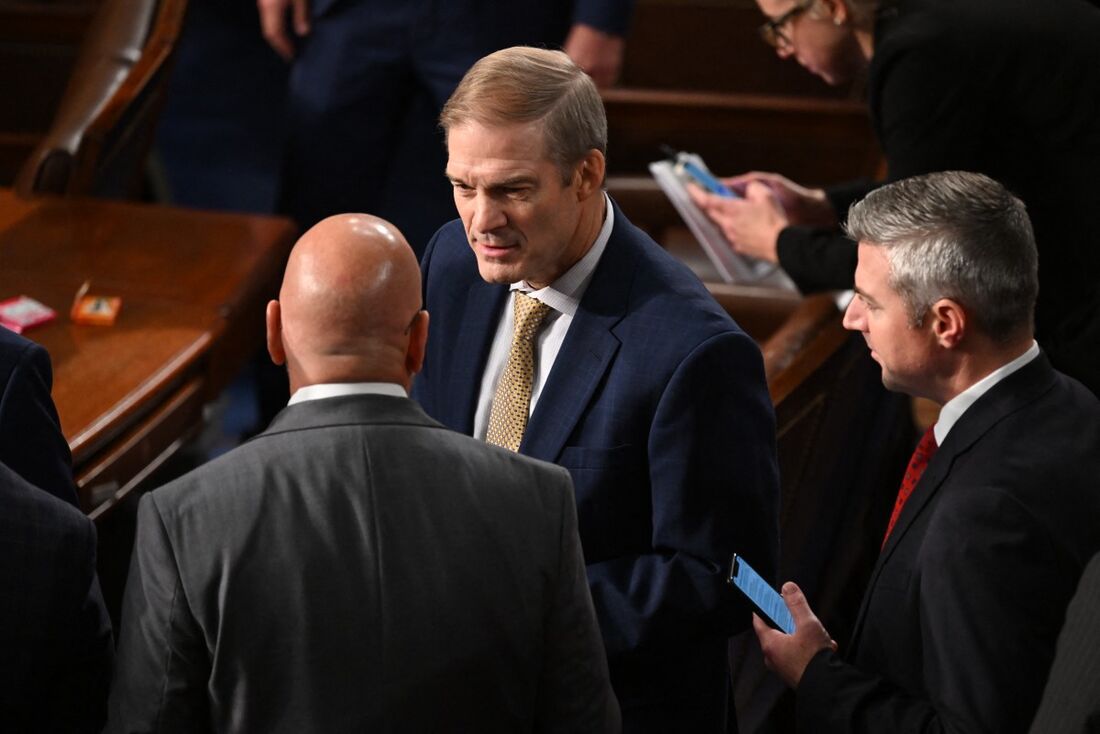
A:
(958, 625)
(367, 86)
(55, 635)
(1071, 700)
(31, 442)
(657, 406)
(1008, 88)
(357, 567)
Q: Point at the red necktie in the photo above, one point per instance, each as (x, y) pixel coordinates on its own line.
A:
(924, 452)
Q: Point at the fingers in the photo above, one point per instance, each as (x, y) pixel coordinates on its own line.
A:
(744, 179)
(725, 212)
(764, 635)
(760, 192)
(789, 655)
(273, 26)
(713, 206)
(301, 17)
(598, 53)
(796, 603)
(697, 195)
(805, 621)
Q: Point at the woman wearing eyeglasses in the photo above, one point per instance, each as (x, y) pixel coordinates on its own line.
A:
(1009, 88)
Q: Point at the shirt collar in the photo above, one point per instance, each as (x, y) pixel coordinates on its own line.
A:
(564, 294)
(340, 389)
(953, 409)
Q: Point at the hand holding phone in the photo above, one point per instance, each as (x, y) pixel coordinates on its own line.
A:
(693, 168)
(697, 171)
(767, 601)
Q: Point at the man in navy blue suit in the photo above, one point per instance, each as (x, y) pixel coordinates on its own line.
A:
(634, 380)
(370, 76)
(54, 630)
(31, 442)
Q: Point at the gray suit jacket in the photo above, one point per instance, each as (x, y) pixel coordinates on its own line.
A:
(358, 567)
(1071, 699)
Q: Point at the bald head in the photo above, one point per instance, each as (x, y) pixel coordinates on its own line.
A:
(349, 308)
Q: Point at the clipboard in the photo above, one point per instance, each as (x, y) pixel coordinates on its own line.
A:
(731, 266)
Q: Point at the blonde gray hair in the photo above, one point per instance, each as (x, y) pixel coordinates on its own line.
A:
(524, 84)
(955, 235)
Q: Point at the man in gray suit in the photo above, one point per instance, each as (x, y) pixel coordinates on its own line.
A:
(357, 567)
(1071, 699)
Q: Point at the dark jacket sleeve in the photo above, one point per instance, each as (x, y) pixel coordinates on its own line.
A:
(83, 680)
(609, 16)
(31, 442)
(713, 483)
(817, 259)
(841, 196)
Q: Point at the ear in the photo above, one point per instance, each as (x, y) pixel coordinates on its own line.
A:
(949, 322)
(418, 343)
(274, 321)
(590, 174)
(835, 11)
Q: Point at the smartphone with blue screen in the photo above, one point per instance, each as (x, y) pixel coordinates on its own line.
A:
(769, 604)
(694, 168)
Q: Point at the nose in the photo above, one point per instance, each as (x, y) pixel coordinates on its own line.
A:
(855, 315)
(784, 50)
(488, 215)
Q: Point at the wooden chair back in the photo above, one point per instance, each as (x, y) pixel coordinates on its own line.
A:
(104, 123)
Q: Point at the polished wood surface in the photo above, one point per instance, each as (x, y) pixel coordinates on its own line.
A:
(713, 45)
(193, 288)
(812, 141)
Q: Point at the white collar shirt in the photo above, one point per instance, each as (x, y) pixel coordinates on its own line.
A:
(954, 408)
(563, 296)
(340, 389)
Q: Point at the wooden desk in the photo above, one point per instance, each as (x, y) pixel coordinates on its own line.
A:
(193, 285)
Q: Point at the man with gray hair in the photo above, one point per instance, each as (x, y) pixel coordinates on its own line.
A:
(565, 333)
(999, 509)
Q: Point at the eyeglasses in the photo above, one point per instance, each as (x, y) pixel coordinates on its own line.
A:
(772, 29)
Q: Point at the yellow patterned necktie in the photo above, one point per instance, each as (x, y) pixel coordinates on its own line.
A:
(508, 417)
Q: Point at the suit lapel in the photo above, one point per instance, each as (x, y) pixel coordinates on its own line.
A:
(1007, 396)
(588, 349)
(469, 350)
(584, 358)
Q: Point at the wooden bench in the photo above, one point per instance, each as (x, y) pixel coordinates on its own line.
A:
(713, 45)
(812, 141)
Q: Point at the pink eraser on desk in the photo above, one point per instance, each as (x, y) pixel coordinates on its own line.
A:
(21, 313)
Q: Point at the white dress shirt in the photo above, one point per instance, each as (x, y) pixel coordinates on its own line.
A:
(563, 296)
(339, 389)
(953, 409)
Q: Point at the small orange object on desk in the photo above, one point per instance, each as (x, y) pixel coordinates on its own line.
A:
(96, 310)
